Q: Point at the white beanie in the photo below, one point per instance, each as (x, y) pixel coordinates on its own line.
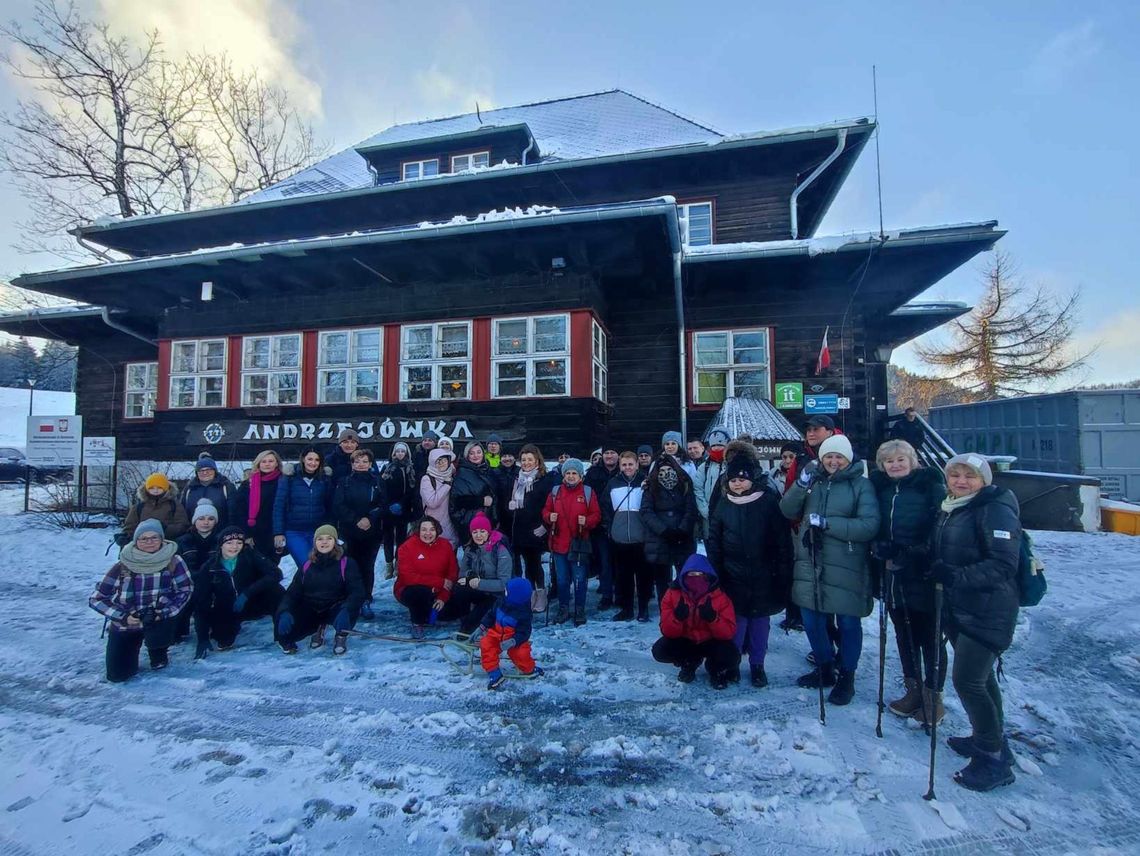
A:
(975, 462)
(204, 508)
(837, 444)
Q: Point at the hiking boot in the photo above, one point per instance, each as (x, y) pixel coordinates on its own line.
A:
(159, 659)
(225, 646)
(318, 638)
(605, 603)
(688, 673)
(366, 612)
(539, 601)
(288, 647)
(340, 643)
(719, 681)
(733, 675)
(390, 570)
(579, 616)
(789, 624)
(911, 701)
(417, 631)
(563, 615)
(759, 678)
(537, 673)
(984, 773)
(931, 709)
(496, 679)
(968, 747)
(624, 615)
(825, 674)
(844, 689)
(643, 614)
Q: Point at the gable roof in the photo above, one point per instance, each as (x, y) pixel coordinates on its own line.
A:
(606, 123)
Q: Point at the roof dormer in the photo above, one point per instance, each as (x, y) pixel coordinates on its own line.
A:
(446, 154)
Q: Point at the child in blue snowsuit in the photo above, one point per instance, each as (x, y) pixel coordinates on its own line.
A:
(509, 621)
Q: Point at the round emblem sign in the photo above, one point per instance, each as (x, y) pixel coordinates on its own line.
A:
(213, 432)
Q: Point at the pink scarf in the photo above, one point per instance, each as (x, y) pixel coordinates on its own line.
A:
(495, 538)
(255, 493)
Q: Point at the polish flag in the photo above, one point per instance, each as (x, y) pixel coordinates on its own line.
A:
(824, 359)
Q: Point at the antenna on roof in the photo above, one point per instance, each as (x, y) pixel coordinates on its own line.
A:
(478, 115)
(878, 165)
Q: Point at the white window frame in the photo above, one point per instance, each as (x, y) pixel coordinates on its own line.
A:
(683, 211)
(273, 372)
(200, 375)
(352, 365)
(419, 164)
(600, 360)
(730, 368)
(470, 160)
(530, 356)
(437, 362)
(146, 396)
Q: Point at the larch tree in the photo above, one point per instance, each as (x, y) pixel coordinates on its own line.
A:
(1018, 338)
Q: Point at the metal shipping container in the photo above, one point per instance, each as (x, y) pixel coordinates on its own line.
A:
(1091, 433)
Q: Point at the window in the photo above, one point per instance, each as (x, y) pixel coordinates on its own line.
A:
(420, 169)
(271, 370)
(349, 366)
(142, 390)
(696, 223)
(198, 373)
(435, 361)
(730, 362)
(601, 362)
(462, 162)
(530, 356)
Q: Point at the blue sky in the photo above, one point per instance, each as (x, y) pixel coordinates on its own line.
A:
(1024, 112)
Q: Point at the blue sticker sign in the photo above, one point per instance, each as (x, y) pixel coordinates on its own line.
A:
(821, 403)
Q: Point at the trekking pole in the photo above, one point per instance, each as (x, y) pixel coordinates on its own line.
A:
(818, 607)
(884, 587)
(937, 652)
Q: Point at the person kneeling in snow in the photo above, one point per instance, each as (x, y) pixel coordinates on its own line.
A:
(140, 596)
(327, 588)
(697, 625)
(426, 572)
(509, 623)
(236, 584)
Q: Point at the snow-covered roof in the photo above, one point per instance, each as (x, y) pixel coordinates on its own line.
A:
(53, 313)
(942, 307)
(757, 417)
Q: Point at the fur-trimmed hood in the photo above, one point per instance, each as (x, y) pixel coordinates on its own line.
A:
(288, 468)
(741, 447)
(170, 495)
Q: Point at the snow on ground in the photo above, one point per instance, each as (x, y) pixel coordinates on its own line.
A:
(390, 748)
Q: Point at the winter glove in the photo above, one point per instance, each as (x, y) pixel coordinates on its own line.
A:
(504, 619)
(343, 621)
(681, 611)
(809, 474)
(706, 611)
(203, 646)
(884, 550)
(285, 623)
(149, 616)
(122, 539)
(817, 521)
(395, 509)
(943, 573)
(240, 602)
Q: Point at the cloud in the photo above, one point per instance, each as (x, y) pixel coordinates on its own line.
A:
(261, 35)
(1064, 53)
(1116, 357)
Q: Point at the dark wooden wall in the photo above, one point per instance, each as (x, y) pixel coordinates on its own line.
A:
(100, 376)
(389, 167)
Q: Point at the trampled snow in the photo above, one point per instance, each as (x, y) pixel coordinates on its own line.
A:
(389, 749)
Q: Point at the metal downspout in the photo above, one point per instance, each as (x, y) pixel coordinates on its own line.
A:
(106, 315)
(529, 148)
(840, 145)
(674, 227)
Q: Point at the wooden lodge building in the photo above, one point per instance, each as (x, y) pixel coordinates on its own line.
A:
(567, 272)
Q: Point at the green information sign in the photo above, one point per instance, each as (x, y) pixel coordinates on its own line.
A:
(790, 396)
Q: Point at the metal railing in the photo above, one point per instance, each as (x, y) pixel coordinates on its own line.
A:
(935, 451)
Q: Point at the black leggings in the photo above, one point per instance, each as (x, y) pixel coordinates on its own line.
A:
(124, 646)
(307, 620)
(918, 645)
(363, 551)
(978, 690)
(718, 655)
(418, 600)
(394, 532)
(468, 605)
(530, 558)
(631, 574)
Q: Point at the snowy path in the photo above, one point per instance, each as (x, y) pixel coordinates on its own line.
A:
(254, 752)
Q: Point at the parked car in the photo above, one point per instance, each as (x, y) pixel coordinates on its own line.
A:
(14, 467)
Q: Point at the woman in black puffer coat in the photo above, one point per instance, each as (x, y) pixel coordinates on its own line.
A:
(525, 497)
(976, 549)
(669, 512)
(473, 490)
(910, 498)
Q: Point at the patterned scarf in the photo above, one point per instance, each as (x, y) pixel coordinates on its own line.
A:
(523, 484)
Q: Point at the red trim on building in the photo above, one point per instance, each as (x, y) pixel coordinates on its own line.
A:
(481, 359)
(162, 397)
(309, 348)
(581, 353)
(233, 371)
(390, 394)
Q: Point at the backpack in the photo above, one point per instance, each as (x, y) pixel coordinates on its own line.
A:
(1031, 583)
(343, 564)
(587, 491)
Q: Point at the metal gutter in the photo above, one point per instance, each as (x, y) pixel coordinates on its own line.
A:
(52, 313)
(456, 137)
(106, 316)
(732, 143)
(794, 203)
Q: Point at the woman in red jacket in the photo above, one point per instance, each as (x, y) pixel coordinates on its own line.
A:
(426, 571)
(697, 625)
(571, 512)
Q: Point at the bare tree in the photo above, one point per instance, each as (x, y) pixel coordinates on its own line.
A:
(1017, 338)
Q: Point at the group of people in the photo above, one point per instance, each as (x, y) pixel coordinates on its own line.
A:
(818, 537)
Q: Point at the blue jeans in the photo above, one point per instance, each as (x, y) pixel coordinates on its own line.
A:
(299, 545)
(563, 569)
(850, 639)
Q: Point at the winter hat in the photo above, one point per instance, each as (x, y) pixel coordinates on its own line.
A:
(839, 445)
(519, 591)
(397, 446)
(151, 526)
(609, 446)
(572, 465)
(435, 454)
(480, 521)
(975, 462)
(696, 562)
(445, 443)
(740, 467)
(645, 449)
(431, 435)
(718, 437)
(204, 508)
(328, 530)
(231, 533)
(205, 462)
(821, 422)
(156, 480)
(495, 438)
(348, 434)
(674, 436)
(596, 451)
(795, 447)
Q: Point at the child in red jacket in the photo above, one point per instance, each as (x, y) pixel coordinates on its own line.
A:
(571, 512)
(697, 625)
(509, 622)
(427, 570)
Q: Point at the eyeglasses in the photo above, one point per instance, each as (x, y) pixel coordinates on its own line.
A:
(143, 538)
